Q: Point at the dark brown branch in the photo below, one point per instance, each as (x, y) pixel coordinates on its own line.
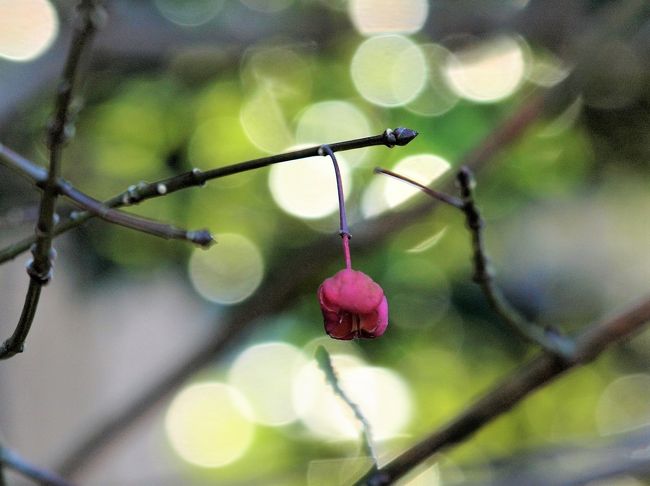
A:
(143, 191)
(13, 461)
(278, 292)
(15, 343)
(138, 223)
(501, 398)
(60, 128)
(440, 196)
(39, 268)
(549, 339)
(38, 177)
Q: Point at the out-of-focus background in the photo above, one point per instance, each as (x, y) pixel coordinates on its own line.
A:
(172, 85)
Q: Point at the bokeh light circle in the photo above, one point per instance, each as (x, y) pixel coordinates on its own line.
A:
(386, 16)
(624, 404)
(423, 168)
(229, 271)
(207, 424)
(263, 120)
(264, 373)
(380, 393)
(389, 70)
(190, 13)
(333, 121)
(306, 188)
(436, 98)
(27, 28)
(488, 71)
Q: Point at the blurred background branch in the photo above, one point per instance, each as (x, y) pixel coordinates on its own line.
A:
(572, 464)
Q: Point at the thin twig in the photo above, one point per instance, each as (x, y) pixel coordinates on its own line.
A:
(16, 463)
(344, 230)
(39, 268)
(549, 339)
(93, 206)
(325, 364)
(502, 397)
(279, 291)
(38, 176)
(440, 196)
(143, 191)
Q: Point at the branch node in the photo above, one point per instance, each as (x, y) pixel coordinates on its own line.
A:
(42, 276)
(198, 177)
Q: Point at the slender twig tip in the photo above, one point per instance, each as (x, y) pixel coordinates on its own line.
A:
(203, 238)
(398, 136)
(404, 135)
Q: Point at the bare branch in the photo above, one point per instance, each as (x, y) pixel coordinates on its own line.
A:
(278, 291)
(549, 339)
(40, 268)
(59, 130)
(13, 461)
(138, 223)
(501, 398)
(15, 343)
(38, 176)
(440, 196)
(143, 191)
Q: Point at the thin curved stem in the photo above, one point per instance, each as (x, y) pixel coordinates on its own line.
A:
(344, 231)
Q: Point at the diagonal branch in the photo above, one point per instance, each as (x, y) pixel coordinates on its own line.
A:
(143, 191)
(502, 397)
(279, 291)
